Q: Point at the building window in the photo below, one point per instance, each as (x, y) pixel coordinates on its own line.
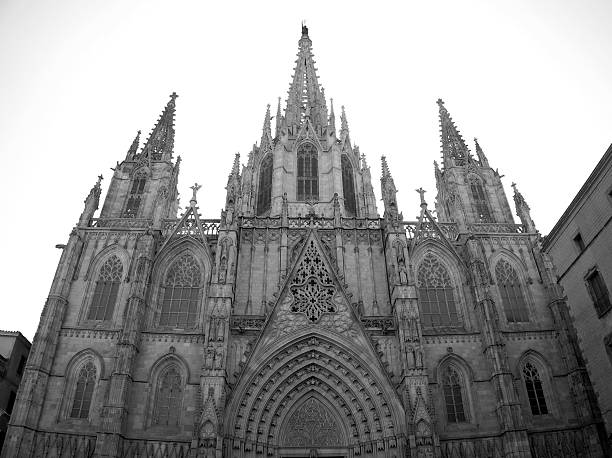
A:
(307, 173)
(85, 385)
(181, 293)
(512, 296)
(168, 398)
(264, 192)
(535, 390)
(453, 397)
(135, 196)
(348, 186)
(579, 242)
(599, 292)
(480, 201)
(436, 297)
(22, 363)
(105, 293)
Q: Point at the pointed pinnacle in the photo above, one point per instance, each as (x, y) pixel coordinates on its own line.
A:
(161, 138)
(236, 165)
(385, 167)
(134, 146)
(344, 122)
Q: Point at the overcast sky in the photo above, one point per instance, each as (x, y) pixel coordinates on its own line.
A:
(531, 79)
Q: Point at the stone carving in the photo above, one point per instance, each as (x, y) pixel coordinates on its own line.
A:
(312, 288)
(312, 425)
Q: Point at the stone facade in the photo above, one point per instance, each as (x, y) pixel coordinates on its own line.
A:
(579, 244)
(301, 323)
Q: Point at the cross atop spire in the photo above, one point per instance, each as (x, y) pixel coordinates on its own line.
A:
(160, 144)
(454, 149)
(305, 94)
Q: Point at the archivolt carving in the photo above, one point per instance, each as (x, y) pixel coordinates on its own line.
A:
(312, 364)
(312, 425)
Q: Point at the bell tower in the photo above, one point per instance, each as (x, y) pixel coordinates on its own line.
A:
(469, 190)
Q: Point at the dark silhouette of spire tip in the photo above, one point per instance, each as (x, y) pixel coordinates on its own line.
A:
(304, 29)
(173, 96)
(440, 102)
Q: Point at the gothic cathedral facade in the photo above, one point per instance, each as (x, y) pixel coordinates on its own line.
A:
(302, 323)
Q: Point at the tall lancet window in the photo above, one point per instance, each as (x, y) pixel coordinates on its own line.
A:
(136, 191)
(453, 397)
(511, 293)
(535, 390)
(264, 191)
(168, 398)
(348, 186)
(181, 293)
(307, 173)
(105, 293)
(85, 384)
(480, 201)
(436, 297)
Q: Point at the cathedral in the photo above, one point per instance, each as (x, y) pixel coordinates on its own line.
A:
(302, 323)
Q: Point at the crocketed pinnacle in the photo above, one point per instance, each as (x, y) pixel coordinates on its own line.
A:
(236, 165)
(332, 116)
(385, 168)
(279, 119)
(266, 134)
(305, 95)
(344, 129)
(454, 149)
(481, 155)
(519, 200)
(134, 147)
(161, 141)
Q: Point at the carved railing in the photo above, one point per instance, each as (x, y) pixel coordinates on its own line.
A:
(260, 222)
(378, 323)
(360, 223)
(123, 223)
(63, 445)
(310, 222)
(568, 443)
(428, 230)
(489, 447)
(242, 323)
(154, 449)
(497, 228)
(209, 226)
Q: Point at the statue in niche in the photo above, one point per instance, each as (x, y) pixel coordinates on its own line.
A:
(411, 358)
(219, 358)
(223, 262)
(209, 357)
(401, 264)
(419, 358)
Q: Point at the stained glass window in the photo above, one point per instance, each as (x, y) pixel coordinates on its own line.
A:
(168, 398)
(105, 293)
(136, 191)
(85, 385)
(480, 201)
(264, 192)
(453, 398)
(307, 173)
(348, 186)
(535, 391)
(512, 296)
(436, 297)
(181, 293)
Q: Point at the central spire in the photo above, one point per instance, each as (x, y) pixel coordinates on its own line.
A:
(306, 97)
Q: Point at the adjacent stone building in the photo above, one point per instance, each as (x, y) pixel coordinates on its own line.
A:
(14, 349)
(581, 247)
(302, 323)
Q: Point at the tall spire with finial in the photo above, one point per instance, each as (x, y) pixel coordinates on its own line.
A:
(266, 134)
(481, 155)
(160, 144)
(279, 119)
(332, 117)
(523, 211)
(131, 154)
(305, 95)
(389, 191)
(344, 129)
(91, 203)
(454, 149)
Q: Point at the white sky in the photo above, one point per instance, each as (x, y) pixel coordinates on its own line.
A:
(530, 79)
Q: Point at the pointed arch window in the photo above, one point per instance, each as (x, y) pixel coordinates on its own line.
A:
(452, 385)
(85, 384)
(512, 296)
(436, 296)
(307, 173)
(480, 201)
(105, 293)
(181, 293)
(535, 390)
(168, 398)
(264, 191)
(348, 186)
(135, 196)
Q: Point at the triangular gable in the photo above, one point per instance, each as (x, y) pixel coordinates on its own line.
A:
(307, 132)
(421, 232)
(313, 298)
(188, 226)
